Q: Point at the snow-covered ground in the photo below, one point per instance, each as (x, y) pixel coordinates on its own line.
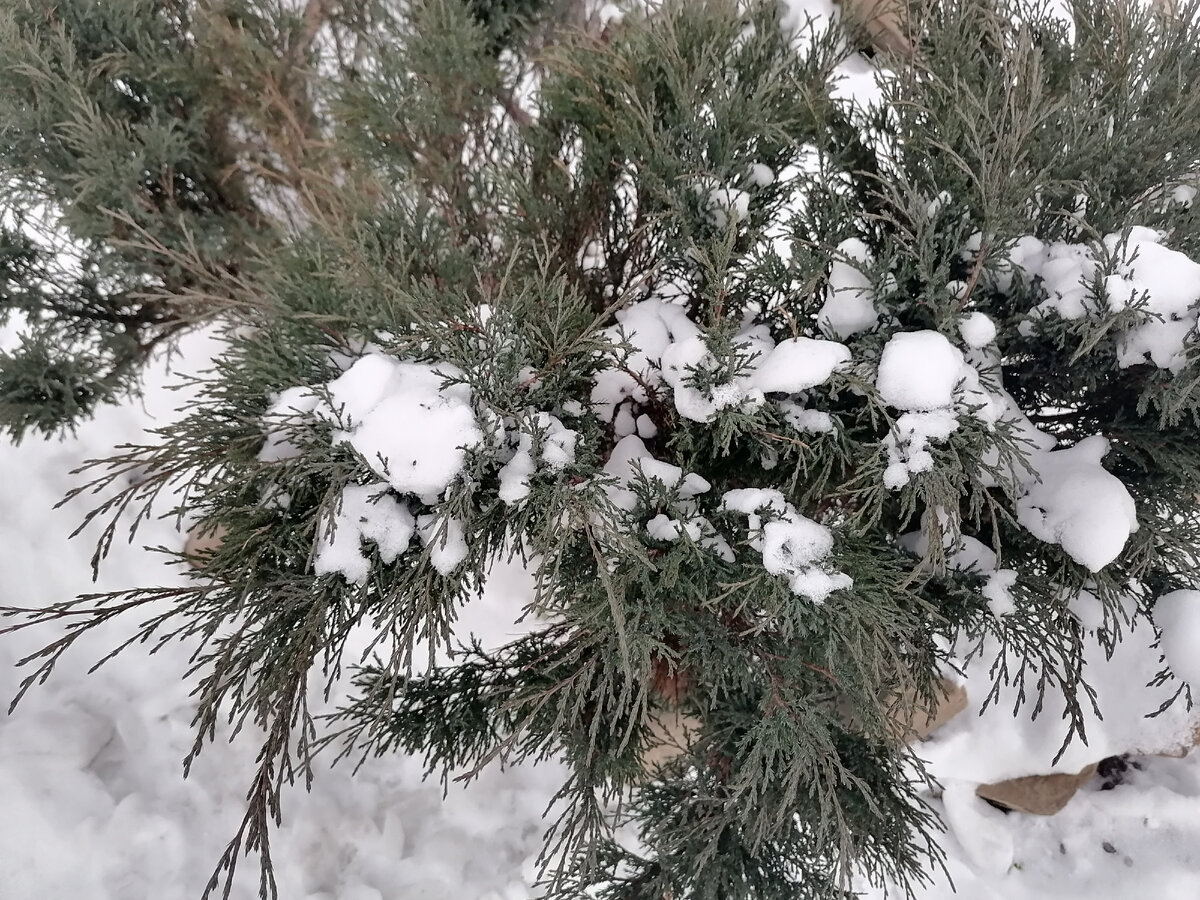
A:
(93, 805)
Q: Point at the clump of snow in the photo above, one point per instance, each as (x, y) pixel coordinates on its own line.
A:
(967, 554)
(670, 353)
(919, 371)
(1027, 435)
(1133, 268)
(977, 330)
(1177, 616)
(682, 362)
(1076, 503)
(792, 545)
(963, 552)
(907, 444)
(849, 305)
(366, 512)
(806, 21)
(409, 424)
(724, 205)
(648, 328)
(1170, 283)
(806, 421)
(760, 175)
(697, 528)
(413, 424)
(798, 364)
(444, 537)
(556, 452)
(630, 460)
(998, 592)
(630, 463)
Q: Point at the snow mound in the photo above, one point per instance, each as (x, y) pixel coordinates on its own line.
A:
(919, 371)
(409, 421)
(1076, 503)
(366, 513)
(792, 545)
(1177, 616)
(849, 305)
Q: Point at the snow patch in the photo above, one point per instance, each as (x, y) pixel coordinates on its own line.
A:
(792, 545)
(411, 425)
(849, 305)
(798, 364)
(977, 330)
(1177, 616)
(1076, 503)
(365, 513)
(919, 371)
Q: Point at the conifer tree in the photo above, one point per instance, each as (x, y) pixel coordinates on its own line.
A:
(783, 372)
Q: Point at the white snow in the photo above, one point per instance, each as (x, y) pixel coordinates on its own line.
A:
(90, 764)
(977, 330)
(806, 421)
(292, 403)
(849, 305)
(919, 370)
(95, 803)
(671, 354)
(1134, 267)
(724, 205)
(998, 592)
(792, 545)
(443, 535)
(992, 745)
(557, 451)
(1076, 503)
(856, 81)
(630, 459)
(410, 425)
(367, 513)
(925, 375)
(760, 175)
(697, 528)
(1177, 616)
(630, 462)
(1170, 283)
(979, 828)
(650, 327)
(907, 444)
(798, 364)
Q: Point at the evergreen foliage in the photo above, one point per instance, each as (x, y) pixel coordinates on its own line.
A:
(498, 194)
